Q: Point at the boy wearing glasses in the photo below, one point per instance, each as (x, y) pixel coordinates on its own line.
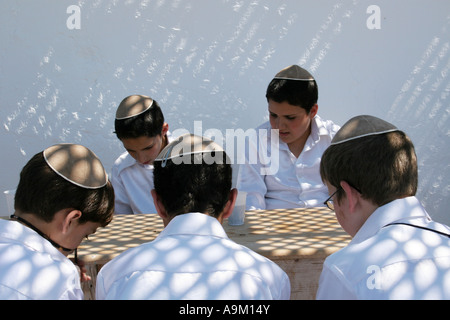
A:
(397, 251)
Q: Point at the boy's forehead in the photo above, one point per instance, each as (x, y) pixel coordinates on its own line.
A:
(284, 108)
(139, 143)
(132, 106)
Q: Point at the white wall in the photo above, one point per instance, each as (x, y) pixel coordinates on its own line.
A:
(211, 60)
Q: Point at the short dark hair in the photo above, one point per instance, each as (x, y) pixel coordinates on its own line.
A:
(43, 192)
(297, 93)
(148, 123)
(193, 186)
(383, 167)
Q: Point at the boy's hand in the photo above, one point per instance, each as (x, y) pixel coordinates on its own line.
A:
(81, 266)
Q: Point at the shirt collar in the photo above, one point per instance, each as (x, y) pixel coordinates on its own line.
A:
(401, 209)
(15, 232)
(194, 224)
(318, 129)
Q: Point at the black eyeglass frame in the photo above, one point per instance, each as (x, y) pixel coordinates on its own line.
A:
(329, 202)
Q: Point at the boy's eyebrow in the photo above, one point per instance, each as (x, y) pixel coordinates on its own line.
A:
(284, 115)
(147, 147)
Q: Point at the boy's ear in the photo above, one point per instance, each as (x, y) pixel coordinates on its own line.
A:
(68, 220)
(160, 209)
(352, 195)
(314, 110)
(165, 129)
(229, 206)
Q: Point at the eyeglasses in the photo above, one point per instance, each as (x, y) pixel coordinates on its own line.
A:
(329, 202)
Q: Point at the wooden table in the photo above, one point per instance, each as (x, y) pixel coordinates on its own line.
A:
(298, 240)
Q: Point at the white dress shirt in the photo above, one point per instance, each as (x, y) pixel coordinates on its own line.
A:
(386, 261)
(132, 184)
(297, 182)
(192, 258)
(32, 269)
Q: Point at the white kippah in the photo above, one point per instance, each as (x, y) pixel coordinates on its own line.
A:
(189, 144)
(77, 164)
(294, 72)
(133, 106)
(362, 126)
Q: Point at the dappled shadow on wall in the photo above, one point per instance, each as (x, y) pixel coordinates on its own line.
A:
(423, 105)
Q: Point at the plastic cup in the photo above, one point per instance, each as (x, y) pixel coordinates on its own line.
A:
(237, 216)
(9, 194)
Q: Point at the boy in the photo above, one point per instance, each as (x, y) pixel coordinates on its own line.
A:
(397, 251)
(63, 196)
(192, 258)
(302, 137)
(140, 126)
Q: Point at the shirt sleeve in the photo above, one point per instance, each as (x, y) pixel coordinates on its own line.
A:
(286, 289)
(72, 294)
(121, 203)
(251, 180)
(100, 293)
(332, 286)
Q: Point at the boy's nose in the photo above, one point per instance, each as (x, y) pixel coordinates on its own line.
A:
(141, 158)
(281, 124)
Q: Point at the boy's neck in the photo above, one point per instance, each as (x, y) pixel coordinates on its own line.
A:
(296, 147)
